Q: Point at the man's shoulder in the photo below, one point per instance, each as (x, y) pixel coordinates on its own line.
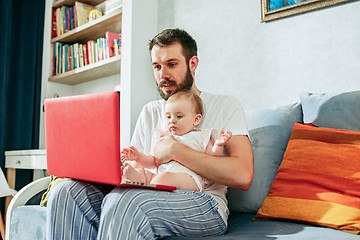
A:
(218, 98)
(154, 105)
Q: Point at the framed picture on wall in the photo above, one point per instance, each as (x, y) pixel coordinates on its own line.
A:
(273, 9)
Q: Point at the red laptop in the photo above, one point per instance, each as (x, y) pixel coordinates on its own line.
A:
(83, 138)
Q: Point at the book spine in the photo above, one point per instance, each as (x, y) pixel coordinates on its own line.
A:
(63, 59)
(86, 54)
(106, 51)
(53, 59)
(53, 23)
(71, 18)
(59, 21)
(81, 53)
(116, 50)
(98, 42)
(68, 19)
(74, 17)
(59, 58)
(64, 22)
(71, 55)
(96, 51)
(90, 52)
(76, 56)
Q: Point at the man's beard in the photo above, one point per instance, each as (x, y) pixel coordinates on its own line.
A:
(185, 85)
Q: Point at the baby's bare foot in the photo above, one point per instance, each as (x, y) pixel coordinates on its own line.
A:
(133, 174)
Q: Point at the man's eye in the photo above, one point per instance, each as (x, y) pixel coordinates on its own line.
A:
(157, 67)
(172, 64)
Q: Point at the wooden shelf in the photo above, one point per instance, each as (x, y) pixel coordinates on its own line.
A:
(59, 3)
(90, 72)
(94, 29)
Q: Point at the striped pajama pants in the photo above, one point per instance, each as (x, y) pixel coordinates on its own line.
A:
(79, 210)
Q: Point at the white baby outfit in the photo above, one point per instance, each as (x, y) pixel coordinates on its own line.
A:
(198, 140)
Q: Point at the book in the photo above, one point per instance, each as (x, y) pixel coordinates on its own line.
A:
(112, 5)
(110, 37)
(71, 18)
(82, 11)
(67, 16)
(81, 54)
(74, 17)
(91, 51)
(85, 54)
(64, 22)
(53, 23)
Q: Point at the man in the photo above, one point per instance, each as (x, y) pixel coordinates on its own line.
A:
(81, 210)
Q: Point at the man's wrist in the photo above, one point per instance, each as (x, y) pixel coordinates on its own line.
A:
(176, 149)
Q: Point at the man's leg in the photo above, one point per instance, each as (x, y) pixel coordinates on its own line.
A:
(147, 214)
(74, 211)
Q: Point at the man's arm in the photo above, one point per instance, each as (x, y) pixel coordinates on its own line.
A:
(235, 170)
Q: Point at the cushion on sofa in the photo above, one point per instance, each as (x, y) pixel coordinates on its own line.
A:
(241, 227)
(28, 222)
(340, 111)
(318, 180)
(269, 131)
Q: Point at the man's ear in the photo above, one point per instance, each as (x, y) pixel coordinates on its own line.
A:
(197, 119)
(193, 63)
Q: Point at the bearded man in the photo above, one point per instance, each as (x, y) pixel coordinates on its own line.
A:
(79, 210)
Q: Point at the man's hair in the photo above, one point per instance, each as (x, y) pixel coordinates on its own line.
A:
(186, 94)
(170, 36)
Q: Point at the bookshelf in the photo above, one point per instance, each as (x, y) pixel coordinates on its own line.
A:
(93, 30)
(89, 72)
(83, 33)
(59, 3)
(131, 71)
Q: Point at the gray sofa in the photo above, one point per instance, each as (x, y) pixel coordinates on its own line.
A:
(270, 130)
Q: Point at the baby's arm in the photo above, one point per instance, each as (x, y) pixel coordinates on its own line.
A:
(221, 140)
(132, 154)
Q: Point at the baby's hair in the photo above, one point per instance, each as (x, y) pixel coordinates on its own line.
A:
(195, 99)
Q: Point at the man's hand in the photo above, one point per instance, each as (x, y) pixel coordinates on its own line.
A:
(164, 149)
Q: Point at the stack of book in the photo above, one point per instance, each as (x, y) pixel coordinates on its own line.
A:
(66, 18)
(67, 57)
(112, 5)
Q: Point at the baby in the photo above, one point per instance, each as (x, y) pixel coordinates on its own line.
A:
(183, 111)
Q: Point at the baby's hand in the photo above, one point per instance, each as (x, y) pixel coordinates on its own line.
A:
(223, 138)
(130, 154)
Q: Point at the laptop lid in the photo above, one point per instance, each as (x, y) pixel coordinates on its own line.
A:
(83, 137)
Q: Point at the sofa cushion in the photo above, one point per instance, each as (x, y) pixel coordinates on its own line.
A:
(241, 227)
(28, 222)
(340, 111)
(269, 131)
(318, 180)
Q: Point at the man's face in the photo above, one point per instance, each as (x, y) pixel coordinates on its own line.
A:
(171, 70)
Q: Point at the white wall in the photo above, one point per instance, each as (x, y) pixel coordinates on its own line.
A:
(268, 64)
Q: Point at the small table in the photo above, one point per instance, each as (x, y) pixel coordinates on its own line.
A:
(22, 159)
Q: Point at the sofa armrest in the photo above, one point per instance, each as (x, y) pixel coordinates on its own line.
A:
(23, 196)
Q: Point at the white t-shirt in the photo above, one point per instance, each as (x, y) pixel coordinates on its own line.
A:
(220, 112)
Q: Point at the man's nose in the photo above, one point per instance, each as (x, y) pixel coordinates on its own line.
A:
(164, 73)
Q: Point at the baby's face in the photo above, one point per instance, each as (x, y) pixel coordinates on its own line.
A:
(181, 117)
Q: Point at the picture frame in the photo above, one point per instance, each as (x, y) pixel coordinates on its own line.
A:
(270, 10)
